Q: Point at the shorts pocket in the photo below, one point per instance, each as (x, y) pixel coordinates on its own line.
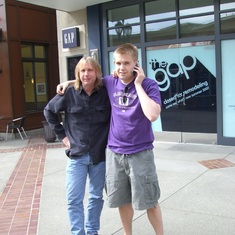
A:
(152, 190)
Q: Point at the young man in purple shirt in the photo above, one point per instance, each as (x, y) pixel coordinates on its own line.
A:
(131, 178)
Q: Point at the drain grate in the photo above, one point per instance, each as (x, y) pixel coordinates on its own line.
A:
(217, 163)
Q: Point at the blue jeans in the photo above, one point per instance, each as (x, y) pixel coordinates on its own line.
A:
(77, 171)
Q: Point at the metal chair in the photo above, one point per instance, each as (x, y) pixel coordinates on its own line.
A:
(17, 124)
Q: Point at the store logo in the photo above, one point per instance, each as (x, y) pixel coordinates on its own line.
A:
(70, 37)
(164, 71)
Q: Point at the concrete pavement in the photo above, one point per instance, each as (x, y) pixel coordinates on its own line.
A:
(197, 190)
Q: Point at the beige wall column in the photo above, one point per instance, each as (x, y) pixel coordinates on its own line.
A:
(70, 20)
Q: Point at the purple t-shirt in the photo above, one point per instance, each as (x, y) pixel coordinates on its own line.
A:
(130, 130)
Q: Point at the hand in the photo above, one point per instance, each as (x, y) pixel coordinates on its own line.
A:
(114, 74)
(60, 89)
(140, 75)
(66, 142)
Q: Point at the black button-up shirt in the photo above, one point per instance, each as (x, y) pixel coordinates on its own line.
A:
(87, 120)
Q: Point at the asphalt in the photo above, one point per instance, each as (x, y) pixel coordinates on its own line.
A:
(197, 190)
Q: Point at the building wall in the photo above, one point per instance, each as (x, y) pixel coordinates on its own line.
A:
(67, 20)
(5, 88)
(24, 23)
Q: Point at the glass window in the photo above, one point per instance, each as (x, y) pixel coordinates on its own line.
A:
(26, 51)
(128, 33)
(161, 30)
(228, 85)
(123, 24)
(29, 89)
(186, 77)
(227, 22)
(35, 77)
(161, 9)
(71, 65)
(39, 51)
(40, 80)
(129, 14)
(195, 7)
(227, 4)
(197, 26)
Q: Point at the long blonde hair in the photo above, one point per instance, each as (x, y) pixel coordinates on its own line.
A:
(95, 65)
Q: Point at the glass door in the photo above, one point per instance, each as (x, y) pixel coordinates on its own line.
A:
(35, 76)
(186, 77)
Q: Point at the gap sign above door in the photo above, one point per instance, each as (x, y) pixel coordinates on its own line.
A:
(70, 37)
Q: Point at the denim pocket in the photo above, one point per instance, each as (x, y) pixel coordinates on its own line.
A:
(67, 152)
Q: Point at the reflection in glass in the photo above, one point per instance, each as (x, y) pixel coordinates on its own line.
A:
(227, 4)
(161, 30)
(197, 26)
(195, 7)
(129, 14)
(161, 9)
(132, 36)
(123, 25)
(227, 22)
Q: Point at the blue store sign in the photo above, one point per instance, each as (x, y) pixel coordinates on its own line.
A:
(70, 37)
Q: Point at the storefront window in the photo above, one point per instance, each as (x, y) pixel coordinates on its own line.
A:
(195, 7)
(160, 20)
(123, 25)
(125, 35)
(228, 87)
(158, 10)
(227, 22)
(185, 74)
(178, 38)
(227, 16)
(35, 76)
(161, 30)
(197, 26)
(227, 4)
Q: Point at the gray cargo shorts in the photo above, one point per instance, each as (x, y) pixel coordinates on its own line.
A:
(131, 178)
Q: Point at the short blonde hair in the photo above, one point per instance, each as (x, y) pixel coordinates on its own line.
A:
(95, 65)
(127, 48)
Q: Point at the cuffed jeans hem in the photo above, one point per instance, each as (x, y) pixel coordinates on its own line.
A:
(92, 233)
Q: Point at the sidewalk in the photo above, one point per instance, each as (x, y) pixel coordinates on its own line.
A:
(197, 184)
